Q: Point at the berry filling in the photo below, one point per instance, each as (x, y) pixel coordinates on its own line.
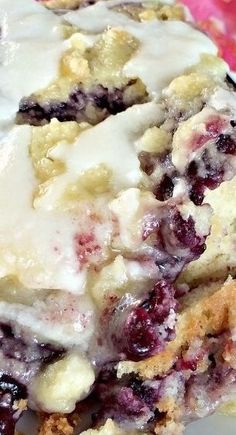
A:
(80, 106)
(226, 144)
(138, 327)
(175, 242)
(145, 329)
(128, 401)
(198, 381)
(14, 347)
(211, 169)
(212, 165)
(213, 178)
(164, 190)
(132, 402)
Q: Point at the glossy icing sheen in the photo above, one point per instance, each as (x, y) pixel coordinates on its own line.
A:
(98, 145)
(30, 241)
(30, 49)
(38, 244)
(166, 48)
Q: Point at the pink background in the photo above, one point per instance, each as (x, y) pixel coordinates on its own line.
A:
(218, 18)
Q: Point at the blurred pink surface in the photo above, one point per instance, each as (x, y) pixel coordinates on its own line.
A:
(218, 19)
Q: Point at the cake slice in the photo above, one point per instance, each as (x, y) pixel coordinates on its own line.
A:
(116, 139)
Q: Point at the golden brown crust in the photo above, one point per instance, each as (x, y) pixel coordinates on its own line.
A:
(204, 311)
(171, 422)
(207, 310)
(57, 424)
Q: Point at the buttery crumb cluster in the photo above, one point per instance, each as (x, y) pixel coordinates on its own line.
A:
(117, 230)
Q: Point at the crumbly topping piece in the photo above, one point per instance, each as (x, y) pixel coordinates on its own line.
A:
(55, 424)
(61, 384)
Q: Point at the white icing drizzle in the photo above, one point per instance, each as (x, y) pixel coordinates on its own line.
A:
(166, 48)
(111, 143)
(30, 49)
(38, 245)
(34, 246)
(61, 318)
(223, 99)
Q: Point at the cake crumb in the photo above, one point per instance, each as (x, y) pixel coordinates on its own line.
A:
(56, 424)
